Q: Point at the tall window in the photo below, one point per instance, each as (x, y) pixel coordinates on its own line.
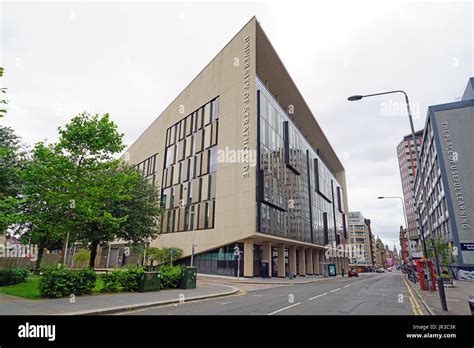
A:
(148, 168)
(189, 173)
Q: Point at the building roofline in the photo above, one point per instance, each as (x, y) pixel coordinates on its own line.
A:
(337, 166)
(190, 83)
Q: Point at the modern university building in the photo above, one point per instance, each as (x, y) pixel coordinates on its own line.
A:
(447, 160)
(241, 161)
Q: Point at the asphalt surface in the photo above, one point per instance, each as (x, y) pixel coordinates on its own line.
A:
(369, 294)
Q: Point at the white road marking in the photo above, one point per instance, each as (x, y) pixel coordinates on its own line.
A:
(224, 303)
(348, 285)
(334, 290)
(280, 310)
(312, 298)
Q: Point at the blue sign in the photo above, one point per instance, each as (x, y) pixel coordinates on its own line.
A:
(171, 251)
(467, 246)
(264, 269)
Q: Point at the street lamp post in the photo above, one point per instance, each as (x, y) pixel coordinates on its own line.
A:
(442, 295)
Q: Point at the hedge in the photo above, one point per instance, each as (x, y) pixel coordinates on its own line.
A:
(170, 276)
(10, 276)
(122, 279)
(60, 282)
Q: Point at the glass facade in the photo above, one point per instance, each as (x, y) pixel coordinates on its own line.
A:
(217, 261)
(189, 173)
(147, 168)
(298, 195)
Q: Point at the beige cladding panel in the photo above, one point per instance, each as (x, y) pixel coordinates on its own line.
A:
(235, 194)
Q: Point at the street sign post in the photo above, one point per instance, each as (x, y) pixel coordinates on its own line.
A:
(171, 254)
(192, 255)
(237, 255)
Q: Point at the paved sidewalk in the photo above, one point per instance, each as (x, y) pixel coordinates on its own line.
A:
(456, 298)
(109, 303)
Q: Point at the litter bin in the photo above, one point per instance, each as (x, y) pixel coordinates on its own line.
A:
(188, 278)
(149, 281)
(471, 303)
(264, 269)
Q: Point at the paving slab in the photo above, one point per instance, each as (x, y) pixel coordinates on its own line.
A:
(456, 298)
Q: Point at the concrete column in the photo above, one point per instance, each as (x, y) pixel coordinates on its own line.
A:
(281, 260)
(292, 259)
(309, 261)
(248, 258)
(316, 261)
(267, 256)
(302, 262)
(321, 261)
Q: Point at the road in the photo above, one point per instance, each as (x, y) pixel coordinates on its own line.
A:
(372, 293)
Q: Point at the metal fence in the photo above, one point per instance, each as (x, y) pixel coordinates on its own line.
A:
(106, 258)
(26, 262)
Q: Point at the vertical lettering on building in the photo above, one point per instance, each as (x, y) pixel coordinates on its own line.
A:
(246, 108)
(455, 176)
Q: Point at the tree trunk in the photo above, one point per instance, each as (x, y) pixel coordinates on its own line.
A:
(64, 251)
(93, 249)
(39, 258)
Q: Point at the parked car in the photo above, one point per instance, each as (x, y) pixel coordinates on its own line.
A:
(381, 270)
(353, 273)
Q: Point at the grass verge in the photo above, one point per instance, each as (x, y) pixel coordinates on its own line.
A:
(28, 289)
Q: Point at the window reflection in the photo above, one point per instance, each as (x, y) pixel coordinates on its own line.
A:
(189, 173)
(297, 196)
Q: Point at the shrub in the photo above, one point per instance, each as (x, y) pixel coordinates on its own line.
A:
(122, 279)
(170, 276)
(10, 276)
(60, 282)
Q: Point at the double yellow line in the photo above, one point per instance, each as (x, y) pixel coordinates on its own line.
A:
(415, 306)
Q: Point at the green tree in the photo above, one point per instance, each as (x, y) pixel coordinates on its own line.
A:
(43, 208)
(75, 189)
(112, 200)
(3, 102)
(121, 204)
(445, 257)
(11, 156)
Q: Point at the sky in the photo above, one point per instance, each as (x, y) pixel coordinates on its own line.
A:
(131, 59)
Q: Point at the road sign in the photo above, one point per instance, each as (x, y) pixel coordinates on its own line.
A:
(171, 251)
(236, 250)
